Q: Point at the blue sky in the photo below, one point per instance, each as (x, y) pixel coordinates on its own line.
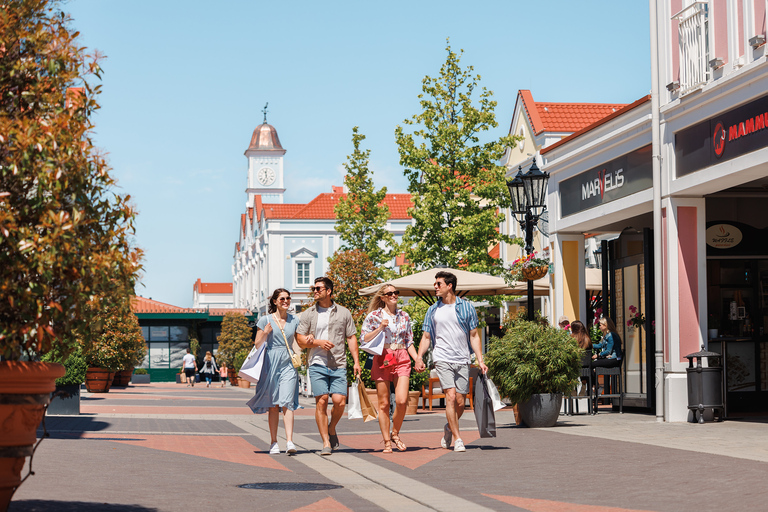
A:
(184, 84)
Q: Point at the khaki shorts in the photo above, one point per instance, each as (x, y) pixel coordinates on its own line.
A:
(453, 375)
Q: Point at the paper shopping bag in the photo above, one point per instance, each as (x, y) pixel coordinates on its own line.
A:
(369, 412)
(253, 365)
(484, 415)
(354, 412)
(375, 346)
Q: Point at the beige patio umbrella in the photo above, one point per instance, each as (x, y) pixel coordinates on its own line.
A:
(422, 283)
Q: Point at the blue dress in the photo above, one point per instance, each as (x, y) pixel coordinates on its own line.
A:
(279, 381)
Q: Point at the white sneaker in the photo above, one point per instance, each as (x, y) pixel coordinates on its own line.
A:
(274, 449)
(458, 446)
(445, 442)
(290, 448)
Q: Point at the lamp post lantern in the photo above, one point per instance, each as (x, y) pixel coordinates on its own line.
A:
(529, 197)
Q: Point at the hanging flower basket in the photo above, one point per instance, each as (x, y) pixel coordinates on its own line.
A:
(533, 273)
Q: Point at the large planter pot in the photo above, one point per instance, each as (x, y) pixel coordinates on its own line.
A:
(122, 378)
(244, 383)
(541, 410)
(98, 380)
(65, 401)
(142, 378)
(413, 402)
(25, 390)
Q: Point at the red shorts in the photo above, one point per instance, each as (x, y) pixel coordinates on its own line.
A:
(400, 368)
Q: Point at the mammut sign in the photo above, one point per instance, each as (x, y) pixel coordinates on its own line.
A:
(613, 180)
(722, 138)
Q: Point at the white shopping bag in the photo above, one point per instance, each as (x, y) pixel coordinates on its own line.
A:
(375, 346)
(494, 394)
(253, 365)
(354, 412)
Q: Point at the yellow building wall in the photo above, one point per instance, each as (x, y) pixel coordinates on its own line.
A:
(571, 267)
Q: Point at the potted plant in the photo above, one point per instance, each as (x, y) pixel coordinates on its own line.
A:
(236, 337)
(65, 234)
(66, 399)
(140, 376)
(529, 268)
(533, 365)
(238, 363)
(123, 324)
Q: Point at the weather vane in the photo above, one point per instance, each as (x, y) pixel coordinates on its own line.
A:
(265, 112)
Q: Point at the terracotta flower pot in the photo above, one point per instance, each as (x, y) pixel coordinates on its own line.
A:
(98, 380)
(413, 402)
(244, 383)
(25, 390)
(122, 378)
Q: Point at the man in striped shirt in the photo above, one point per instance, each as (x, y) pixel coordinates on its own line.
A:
(450, 327)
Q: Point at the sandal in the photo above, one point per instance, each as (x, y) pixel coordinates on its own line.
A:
(387, 447)
(398, 443)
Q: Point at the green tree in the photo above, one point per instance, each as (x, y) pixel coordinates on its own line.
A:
(361, 216)
(65, 234)
(235, 336)
(350, 271)
(114, 340)
(456, 185)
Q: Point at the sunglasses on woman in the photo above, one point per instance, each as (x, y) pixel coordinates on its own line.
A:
(284, 299)
(394, 293)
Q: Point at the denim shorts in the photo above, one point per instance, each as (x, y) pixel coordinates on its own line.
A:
(328, 381)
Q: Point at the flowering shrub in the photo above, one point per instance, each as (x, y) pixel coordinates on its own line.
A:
(115, 341)
(636, 319)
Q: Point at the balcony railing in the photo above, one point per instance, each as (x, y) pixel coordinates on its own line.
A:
(693, 34)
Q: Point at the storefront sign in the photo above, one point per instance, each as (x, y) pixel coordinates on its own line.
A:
(726, 136)
(723, 236)
(618, 178)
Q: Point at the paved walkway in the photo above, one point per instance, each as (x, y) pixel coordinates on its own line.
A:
(166, 447)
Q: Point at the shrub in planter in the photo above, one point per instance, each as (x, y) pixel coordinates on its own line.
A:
(235, 337)
(533, 359)
(66, 398)
(141, 371)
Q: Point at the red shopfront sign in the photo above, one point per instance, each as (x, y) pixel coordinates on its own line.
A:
(723, 137)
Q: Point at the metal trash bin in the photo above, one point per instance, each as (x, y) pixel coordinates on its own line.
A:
(705, 386)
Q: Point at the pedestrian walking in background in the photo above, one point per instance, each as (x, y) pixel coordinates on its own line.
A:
(323, 330)
(278, 387)
(394, 363)
(190, 368)
(563, 323)
(223, 374)
(450, 327)
(209, 368)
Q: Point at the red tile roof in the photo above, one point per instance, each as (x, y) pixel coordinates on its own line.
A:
(201, 287)
(563, 117)
(321, 207)
(597, 123)
(144, 305)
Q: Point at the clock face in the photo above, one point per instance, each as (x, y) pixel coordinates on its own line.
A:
(266, 176)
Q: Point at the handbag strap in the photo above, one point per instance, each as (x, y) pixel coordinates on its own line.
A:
(290, 352)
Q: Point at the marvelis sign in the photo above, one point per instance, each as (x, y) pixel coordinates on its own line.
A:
(726, 136)
(613, 180)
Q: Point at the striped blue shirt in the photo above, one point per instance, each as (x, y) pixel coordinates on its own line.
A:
(465, 312)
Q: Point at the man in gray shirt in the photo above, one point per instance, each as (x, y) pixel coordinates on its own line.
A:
(323, 329)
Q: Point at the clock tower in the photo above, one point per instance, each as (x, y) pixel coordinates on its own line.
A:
(265, 164)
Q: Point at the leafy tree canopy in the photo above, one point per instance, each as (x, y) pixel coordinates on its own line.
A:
(235, 337)
(65, 234)
(361, 216)
(456, 184)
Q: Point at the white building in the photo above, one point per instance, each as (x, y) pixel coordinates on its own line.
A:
(288, 245)
(683, 175)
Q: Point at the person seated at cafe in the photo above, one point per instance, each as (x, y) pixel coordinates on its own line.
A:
(580, 333)
(608, 349)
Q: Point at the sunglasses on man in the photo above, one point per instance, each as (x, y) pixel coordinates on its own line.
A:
(314, 289)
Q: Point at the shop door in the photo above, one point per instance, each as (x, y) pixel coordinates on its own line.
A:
(631, 275)
(737, 302)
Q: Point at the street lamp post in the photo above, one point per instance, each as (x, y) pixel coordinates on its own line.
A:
(529, 195)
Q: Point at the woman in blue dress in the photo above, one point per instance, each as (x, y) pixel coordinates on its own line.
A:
(278, 387)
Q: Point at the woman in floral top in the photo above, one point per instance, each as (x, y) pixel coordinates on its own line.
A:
(394, 363)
